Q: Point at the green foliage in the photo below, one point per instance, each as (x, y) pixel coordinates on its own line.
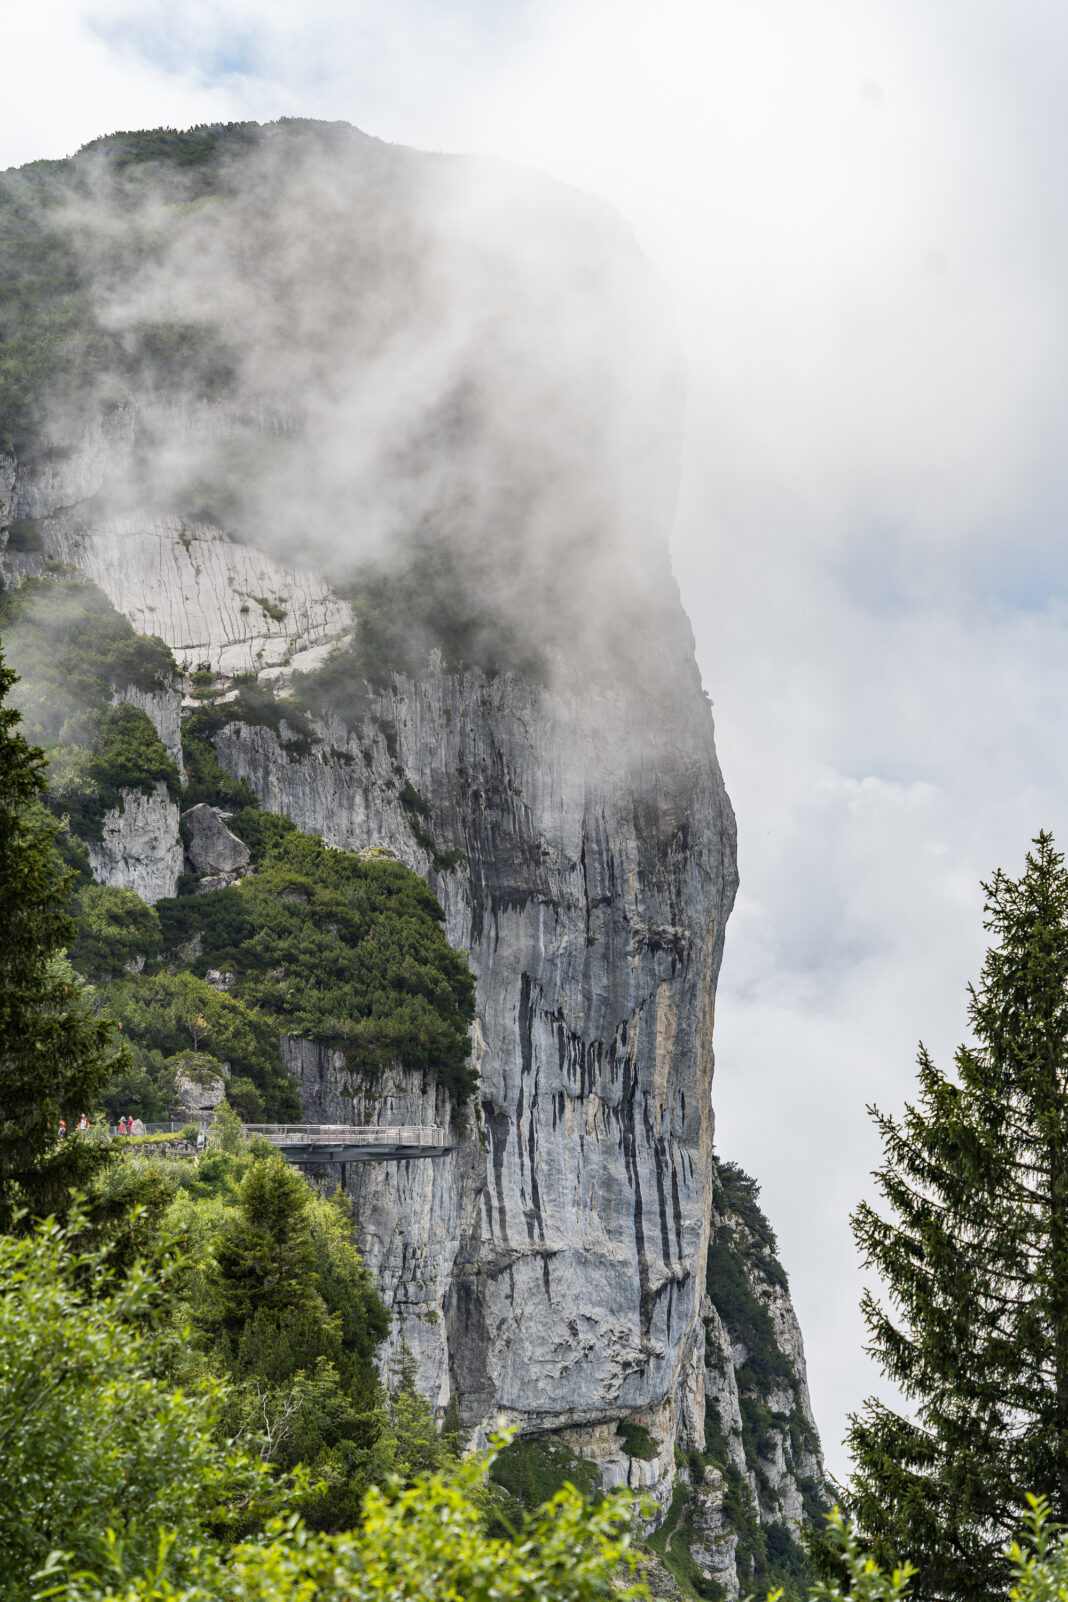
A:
(227, 1129)
(531, 1470)
(92, 1439)
(60, 364)
(426, 1542)
(744, 1314)
(264, 1263)
(671, 1543)
(743, 1274)
(256, 705)
(735, 1196)
(185, 148)
(637, 1442)
(74, 652)
(171, 1018)
(127, 755)
(290, 1316)
(975, 1258)
(114, 927)
(319, 942)
(54, 1056)
(335, 948)
(24, 536)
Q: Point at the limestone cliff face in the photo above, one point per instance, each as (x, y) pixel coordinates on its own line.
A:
(760, 1429)
(550, 1267)
(139, 847)
(551, 1274)
(553, 1266)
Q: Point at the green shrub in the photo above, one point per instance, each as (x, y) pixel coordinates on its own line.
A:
(637, 1441)
(127, 754)
(74, 653)
(92, 1440)
(745, 1315)
(334, 948)
(167, 1018)
(114, 927)
(256, 705)
(531, 1470)
(24, 536)
(428, 1541)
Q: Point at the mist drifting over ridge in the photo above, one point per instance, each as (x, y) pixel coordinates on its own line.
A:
(364, 359)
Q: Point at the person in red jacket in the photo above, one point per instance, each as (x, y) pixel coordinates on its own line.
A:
(122, 1126)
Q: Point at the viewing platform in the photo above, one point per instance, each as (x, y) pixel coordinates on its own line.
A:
(352, 1143)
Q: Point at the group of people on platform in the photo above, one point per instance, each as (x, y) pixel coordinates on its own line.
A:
(83, 1124)
(127, 1126)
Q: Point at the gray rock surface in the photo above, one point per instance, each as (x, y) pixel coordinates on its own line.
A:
(200, 1087)
(140, 849)
(559, 1250)
(210, 846)
(214, 603)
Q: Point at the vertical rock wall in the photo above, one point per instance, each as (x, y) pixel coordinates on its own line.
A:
(555, 1267)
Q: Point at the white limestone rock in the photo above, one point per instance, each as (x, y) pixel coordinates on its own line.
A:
(140, 848)
(216, 604)
(200, 1085)
(8, 469)
(210, 846)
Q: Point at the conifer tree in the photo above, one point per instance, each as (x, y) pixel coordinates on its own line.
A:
(55, 1058)
(266, 1258)
(975, 1260)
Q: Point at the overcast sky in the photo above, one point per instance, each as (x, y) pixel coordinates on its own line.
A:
(860, 210)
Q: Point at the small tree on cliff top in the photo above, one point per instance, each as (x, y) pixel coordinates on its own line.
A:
(54, 1057)
(976, 1264)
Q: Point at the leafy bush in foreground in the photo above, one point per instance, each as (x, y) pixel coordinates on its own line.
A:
(91, 1437)
(426, 1544)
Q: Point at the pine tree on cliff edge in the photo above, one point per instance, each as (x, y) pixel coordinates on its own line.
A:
(976, 1265)
(54, 1057)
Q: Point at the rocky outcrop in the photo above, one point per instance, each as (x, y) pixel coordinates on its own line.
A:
(764, 1469)
(139, 848)
(210, 848)
(214, 603)
(199, 1084)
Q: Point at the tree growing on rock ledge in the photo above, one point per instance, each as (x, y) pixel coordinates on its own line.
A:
(975, 1258)
(54, 1057)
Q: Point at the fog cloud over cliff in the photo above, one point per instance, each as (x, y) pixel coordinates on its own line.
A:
(357, 357)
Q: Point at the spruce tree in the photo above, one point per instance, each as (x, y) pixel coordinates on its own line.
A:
(55, 1058)
(975, 1260)
(265, 1258)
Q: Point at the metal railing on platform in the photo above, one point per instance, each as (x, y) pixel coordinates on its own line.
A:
(349, 1134)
